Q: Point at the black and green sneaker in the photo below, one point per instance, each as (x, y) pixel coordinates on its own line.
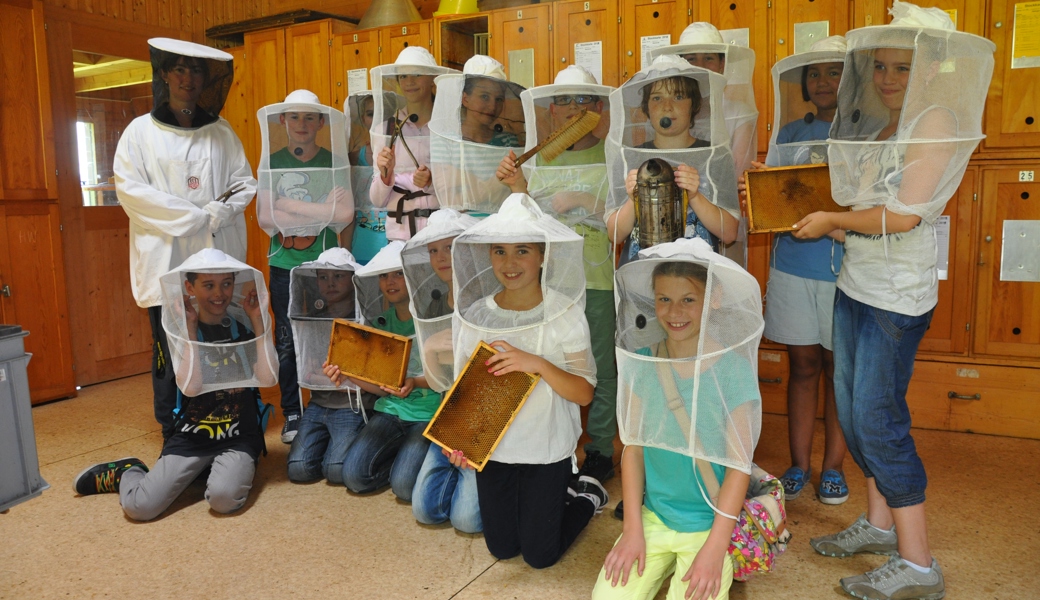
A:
(103, 478)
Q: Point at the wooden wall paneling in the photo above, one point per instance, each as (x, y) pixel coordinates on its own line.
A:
(522, 28)
(307, 55)
(38, 295)
(1008, 312)
(394, 38)
(645, 18)
(788, 13)
(238, 109)
(1012, 118)
(869, 12)
(948, 332)
(588, 21)
(352, 50)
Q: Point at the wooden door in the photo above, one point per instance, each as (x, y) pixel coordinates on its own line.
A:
(455, 38)
(967, 15)
(643, 22)
(524, 34)
(1013, 106)
(32, 278)
(949, 330)
(1008, 312)
(395, 38)
(798, 23)
(353, 52)
(307, 58)
(586, 34)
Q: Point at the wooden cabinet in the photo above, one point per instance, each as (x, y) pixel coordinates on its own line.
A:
(521, 40)
(642, 21)
(1012, 119)
(352, 52)
(796, 24)
(586, 33)
(395, 38)
(1007, 321)
(457, 38)
(308, 56)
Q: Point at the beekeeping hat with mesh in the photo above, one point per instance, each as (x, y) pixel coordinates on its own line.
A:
(200, 96)
(799, 134)
(427, 269)
(371, 303)
(582, 168)
(477, 118)
(689, 322)
(213, 307)
(359, 109)
(304, 174)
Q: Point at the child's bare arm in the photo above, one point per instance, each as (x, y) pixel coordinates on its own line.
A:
(190, 367)
(631, 547)
(407, 387)
(719, 222)
(251, 306)
(705, 574)
(571, 387)
(621, 222)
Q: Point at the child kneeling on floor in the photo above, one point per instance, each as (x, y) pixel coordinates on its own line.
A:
(220, 362)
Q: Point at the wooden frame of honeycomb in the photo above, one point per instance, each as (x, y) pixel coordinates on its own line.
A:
(779, 197)
(478, 409)
(369, 354)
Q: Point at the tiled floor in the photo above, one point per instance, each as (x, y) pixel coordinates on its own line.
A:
(318, 541)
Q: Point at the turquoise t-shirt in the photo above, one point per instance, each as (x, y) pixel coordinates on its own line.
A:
(672, 491)
(289, 258)
(422, 403)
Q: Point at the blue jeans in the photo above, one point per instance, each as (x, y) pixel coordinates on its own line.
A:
(388, 450)
(283, 342)
(322, 442)
(874, 353)
(444, 492)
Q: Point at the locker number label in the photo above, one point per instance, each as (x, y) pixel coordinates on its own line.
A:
(587, 5)
(355, 37)
(1025, 176)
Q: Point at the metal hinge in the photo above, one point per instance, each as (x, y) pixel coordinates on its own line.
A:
(330, 43)
(380, 50)
(689, 12)
(975, 197)
(61, 227)
(45, 27)
(769, 4)
(619, 20)
(967, 327)
(550, 27)
(769, 126)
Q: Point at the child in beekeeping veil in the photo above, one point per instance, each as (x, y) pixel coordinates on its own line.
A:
(520, 288)
(909, 116)
(689, 323)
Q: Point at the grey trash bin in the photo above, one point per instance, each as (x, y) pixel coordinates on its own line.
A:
(20, 478)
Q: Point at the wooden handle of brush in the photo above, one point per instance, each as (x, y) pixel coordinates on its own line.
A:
(549, 138)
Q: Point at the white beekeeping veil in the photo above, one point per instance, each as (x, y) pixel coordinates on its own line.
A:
(359, 109)
(201, 361)
(740, 110)
(940, 117)
(794, 112)
(216, 67)
(429, 278)
(548, 107)
(411, 78)
(320, 291)
(630, 128)
(296, 197)
(705, 405)
(467, 144)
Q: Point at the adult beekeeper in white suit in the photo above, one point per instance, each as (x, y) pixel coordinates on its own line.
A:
(183, 179)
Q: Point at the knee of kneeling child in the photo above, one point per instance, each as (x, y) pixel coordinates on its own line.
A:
(224, 500)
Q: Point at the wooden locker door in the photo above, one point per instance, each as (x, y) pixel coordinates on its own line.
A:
(804, 14)
(1008, 312)
(647, 19)
(967, 15)
(948, 332)
(455, 37)
(37, 298)
(395, 38)
(1013, 106)
(516, 30)
(750, 15)
(238, 109)
(352, 51)
(588, 23)
(307, 58)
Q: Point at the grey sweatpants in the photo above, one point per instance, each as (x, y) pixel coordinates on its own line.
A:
(144, 496)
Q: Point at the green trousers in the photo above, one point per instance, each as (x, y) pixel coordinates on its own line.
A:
(602, 423)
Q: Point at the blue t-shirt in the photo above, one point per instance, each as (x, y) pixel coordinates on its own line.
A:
(818, 259)
(672, 491)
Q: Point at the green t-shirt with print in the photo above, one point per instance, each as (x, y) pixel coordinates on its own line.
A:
(422, 403)
(288, 258)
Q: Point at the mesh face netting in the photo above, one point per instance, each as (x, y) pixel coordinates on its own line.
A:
(918, 168)
(360, 109)
(796, 112)
(320, 291)
(464, 166)
(216, 66)
(630, 127)
(570, 189)
(428, 293)
(706, 405)
(203, 366)
(303, 199)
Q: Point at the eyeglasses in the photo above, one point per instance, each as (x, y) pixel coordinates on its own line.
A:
(566, 100)
(297, 242)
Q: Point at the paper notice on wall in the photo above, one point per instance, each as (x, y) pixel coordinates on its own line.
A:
(590, 56)
(737, 37)
(357, 80)
(648, 43)
(942, 241)
(1025, 40)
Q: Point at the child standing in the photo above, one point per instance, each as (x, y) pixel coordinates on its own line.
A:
(688, 391)
(531, 265)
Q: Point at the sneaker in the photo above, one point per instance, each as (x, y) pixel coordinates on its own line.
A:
(861, 536)
(292, 425)
(793, 481)
(592, 490)
(619, 511)
(833, 489)
(897, 580)
(597, 466)
(103, 478)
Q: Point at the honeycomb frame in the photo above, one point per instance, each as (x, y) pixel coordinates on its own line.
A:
(369, 354)
(476, 423)
(779, 197)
